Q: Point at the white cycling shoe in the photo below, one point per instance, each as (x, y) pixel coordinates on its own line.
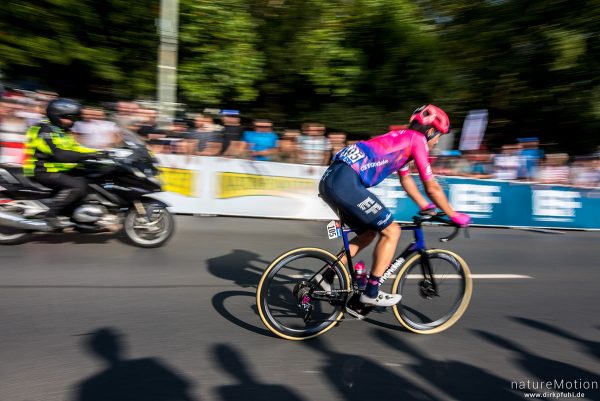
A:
(382, 299)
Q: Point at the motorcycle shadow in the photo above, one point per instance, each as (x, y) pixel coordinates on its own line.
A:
(76, 238)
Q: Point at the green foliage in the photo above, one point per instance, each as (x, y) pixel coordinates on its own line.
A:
(82, 47)
(219, 60)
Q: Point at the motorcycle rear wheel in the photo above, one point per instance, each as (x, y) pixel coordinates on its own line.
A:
(13, 236)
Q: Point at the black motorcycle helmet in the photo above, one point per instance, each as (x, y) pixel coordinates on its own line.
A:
(63, 108)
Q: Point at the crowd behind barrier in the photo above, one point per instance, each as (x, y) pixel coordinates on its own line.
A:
(224, 133)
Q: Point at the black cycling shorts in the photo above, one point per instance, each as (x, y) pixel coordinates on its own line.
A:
(356, 206)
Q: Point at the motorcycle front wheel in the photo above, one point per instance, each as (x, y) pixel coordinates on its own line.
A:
(149, 230)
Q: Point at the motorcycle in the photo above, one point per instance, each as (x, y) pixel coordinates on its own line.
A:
(123, 194)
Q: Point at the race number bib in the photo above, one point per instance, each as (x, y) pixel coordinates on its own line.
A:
(351, 154)
(334, 229)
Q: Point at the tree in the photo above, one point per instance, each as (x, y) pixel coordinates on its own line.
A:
(219, 61)
(81, 48)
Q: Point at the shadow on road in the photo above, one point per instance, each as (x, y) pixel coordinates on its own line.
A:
(545, 369)
(218, 303)
(388, 326)
(591, 347)
(244, 268)
(247, 387)
(146, 379)
(74, 238)
(458, 380)
(357, 378)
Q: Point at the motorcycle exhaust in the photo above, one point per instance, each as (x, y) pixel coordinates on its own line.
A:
(16, 221)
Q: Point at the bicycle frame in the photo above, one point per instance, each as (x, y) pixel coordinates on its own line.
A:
(418, 245)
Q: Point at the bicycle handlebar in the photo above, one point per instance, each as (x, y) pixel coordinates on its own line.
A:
(440, 218)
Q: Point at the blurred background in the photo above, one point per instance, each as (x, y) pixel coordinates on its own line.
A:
(354, 68)
(288, 83)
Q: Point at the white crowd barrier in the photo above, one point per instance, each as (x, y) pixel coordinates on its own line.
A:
(222, 186)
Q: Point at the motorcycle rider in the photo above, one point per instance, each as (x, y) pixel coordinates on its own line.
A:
(51, 151)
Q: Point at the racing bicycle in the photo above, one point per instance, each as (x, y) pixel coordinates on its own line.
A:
(435, 285)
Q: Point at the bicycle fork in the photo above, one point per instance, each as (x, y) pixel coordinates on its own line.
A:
(428, 286)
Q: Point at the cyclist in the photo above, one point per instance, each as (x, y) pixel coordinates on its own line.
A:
(365, 164)
(51, 151)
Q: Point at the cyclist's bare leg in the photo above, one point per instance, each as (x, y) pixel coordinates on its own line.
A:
(385, 249)
(358, 243)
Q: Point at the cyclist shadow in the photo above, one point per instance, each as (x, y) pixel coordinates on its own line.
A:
(449, 376)
(146, 379)
(543, 368)
(592, 347)
(247, 387)
(385, 313)
(218, 303)
(359, 378)
(244, 268)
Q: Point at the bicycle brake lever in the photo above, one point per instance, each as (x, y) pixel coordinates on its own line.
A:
(451, 236)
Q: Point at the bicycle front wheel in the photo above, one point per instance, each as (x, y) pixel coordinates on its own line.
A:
(295, 305)
(423, 310)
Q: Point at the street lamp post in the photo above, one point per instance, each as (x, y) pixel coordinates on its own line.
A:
(166, 91)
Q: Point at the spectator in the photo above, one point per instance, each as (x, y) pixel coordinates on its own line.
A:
(10, 122)
(449, 162)
(207, 137)
(506, 164)
(178, 135)
(232, 133)
(338, 142)
(480, 164)
(584, 172)
(555, 169)
(530, 156)
(262, 143)
(288, 147)
(125, 111)
(94, 131)
(29, 110)
(315, 148)
(148, 126)
(157, 146)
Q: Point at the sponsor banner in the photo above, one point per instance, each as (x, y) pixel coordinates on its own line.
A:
(232, 185)
(263, 189)
(513, 204)
(473, 130)
(178, 180)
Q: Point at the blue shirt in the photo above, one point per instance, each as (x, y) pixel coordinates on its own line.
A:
(259, 141)
(529, 162)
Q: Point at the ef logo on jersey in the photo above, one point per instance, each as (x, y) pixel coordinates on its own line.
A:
(351, 154)
(369, 206)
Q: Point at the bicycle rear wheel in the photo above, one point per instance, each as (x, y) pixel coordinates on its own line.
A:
(293, 306)
(420, 310)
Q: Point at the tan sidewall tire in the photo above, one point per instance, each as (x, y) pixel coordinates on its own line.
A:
(462, 307)
(273, 264)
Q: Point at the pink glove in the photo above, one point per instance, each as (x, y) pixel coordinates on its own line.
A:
(461, 219)
(431, 206)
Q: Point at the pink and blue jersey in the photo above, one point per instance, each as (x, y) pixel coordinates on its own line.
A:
(377, 158)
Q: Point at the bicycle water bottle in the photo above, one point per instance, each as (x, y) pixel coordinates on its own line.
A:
(360, 275)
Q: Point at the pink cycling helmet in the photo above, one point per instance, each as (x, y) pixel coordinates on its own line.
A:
(432, 116)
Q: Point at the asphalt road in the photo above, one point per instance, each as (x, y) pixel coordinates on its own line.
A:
(90, 318)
